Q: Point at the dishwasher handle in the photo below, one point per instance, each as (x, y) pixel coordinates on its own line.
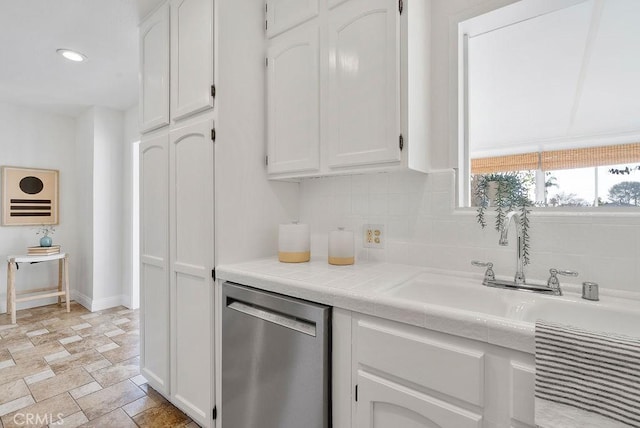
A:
(283, 320)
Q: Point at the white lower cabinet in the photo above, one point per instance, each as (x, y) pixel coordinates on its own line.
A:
(191, 193)
(384, 403)
(177, 193)
(406, 376)
(154, 264)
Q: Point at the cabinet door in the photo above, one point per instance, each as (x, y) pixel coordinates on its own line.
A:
(364, 83)
(523, 378)
(154, 70)
(293, 90)
(191, 57)
(154, 253)
(191, 254)
(285, 14)
(383, 403)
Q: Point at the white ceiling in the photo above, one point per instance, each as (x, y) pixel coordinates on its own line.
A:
(106, 31)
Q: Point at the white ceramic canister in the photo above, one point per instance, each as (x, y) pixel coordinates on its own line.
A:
(341, 247)
(294, 243)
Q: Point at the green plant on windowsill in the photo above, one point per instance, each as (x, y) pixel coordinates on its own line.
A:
(506, 192)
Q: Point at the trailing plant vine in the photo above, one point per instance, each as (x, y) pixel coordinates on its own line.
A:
(626, 170)
(511, 194)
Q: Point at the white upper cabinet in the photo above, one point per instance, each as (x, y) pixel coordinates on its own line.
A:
(283, 15)
(191, 57)
(176, 66)
(364, 83)
(154, 70)
(293, 85)
(372, 77)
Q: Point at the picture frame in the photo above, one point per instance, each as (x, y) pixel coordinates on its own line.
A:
(29, 196)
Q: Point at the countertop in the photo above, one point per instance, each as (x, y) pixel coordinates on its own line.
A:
(360, 288)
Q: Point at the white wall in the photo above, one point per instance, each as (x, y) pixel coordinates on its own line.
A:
(129, 273)
(444, 15)
(82, 261)
(422, 226)
(107, 207)
(99, 188)
(248, 207)
(29, 138)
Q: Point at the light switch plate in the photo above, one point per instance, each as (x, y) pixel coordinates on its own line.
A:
(373, 236)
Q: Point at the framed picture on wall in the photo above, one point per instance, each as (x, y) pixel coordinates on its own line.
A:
(29, 196)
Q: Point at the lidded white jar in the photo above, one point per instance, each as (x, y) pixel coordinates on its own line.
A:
(341, 247)
(294, 243)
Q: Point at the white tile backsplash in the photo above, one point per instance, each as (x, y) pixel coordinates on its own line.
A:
(422, 229)
(399, 204)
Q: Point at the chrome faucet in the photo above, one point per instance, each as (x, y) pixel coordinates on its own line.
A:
(552, 286)
(504, 241)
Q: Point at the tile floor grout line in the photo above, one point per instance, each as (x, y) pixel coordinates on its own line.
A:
(58, 325)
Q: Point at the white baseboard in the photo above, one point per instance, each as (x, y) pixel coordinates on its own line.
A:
(26, 305)
(126, 301)
(81, 298)
(95, 305)
(105, 303)
(86, 301)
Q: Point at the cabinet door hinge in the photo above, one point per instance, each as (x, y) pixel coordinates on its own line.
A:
(266, 25)
(400, 6)
(266, 160)
(213, 275)
(213, 91)
(266, 62)
(356, 392)
(214, 413)
(213, 134)
(401, 143)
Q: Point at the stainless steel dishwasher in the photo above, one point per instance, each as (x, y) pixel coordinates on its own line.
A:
(275, 360)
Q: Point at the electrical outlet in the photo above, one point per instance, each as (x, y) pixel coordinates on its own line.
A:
(373, 236)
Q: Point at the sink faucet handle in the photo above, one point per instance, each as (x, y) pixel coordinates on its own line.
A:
(489, 275)
(563, 272)
(554, 283)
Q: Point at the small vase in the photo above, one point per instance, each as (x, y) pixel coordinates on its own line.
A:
(46, 241)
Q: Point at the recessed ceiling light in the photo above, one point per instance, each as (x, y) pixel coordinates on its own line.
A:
(71, 55)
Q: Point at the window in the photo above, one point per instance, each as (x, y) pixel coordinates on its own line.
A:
(587, 177)
(549, 91)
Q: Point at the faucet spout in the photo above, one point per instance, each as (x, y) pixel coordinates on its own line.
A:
(504, 241)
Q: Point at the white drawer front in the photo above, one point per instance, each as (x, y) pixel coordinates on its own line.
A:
(451, 370)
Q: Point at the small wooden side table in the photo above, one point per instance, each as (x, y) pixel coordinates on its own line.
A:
(61, 290)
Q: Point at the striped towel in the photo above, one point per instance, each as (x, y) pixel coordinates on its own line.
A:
(586, 379)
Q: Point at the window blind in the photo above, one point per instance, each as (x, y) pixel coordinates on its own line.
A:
(559, 159)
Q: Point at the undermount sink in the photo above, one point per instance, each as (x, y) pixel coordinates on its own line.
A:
(611, 314)
(459, 293)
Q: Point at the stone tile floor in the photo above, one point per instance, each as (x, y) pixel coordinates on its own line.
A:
(77, 369)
